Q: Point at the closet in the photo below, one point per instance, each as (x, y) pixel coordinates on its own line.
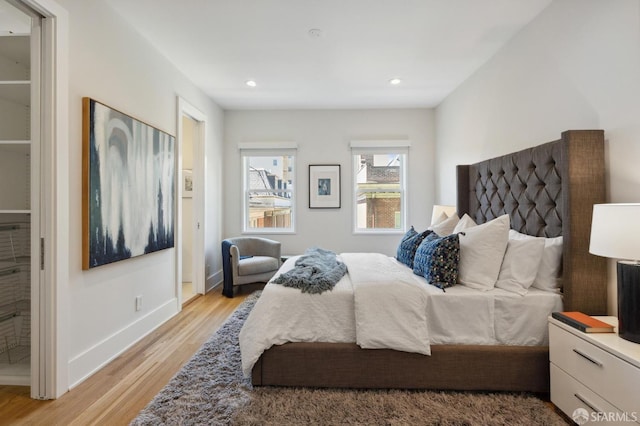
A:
(19, 98)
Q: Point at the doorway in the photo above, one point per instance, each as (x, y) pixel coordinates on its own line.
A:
(20, 195)
(45, 203)
(191, 159)
(189, 127)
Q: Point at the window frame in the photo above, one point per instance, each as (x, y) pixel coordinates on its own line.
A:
(282, 149)
(393, 147)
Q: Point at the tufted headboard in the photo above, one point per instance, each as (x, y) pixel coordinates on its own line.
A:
(548, 190)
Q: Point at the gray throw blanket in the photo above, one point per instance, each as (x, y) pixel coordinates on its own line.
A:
(316, 271)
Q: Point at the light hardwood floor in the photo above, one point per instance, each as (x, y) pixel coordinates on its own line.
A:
(115, 394)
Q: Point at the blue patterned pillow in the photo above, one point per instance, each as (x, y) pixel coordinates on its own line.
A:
(437, 260)
(408, 246)
(419, 264)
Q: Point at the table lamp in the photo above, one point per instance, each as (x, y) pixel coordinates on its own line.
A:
(615, 233)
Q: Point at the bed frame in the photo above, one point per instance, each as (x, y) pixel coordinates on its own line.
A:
(547, 190)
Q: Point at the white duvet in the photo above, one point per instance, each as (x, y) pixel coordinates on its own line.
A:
(380, 303)
(390, 305)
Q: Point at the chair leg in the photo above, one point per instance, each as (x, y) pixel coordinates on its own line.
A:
(228, 291)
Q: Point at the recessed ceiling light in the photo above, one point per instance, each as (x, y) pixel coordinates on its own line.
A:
(395, 81)
(251, 83)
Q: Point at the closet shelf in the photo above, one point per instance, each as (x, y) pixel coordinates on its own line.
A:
(14, 82)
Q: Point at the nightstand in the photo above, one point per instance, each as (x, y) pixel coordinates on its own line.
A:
(598, 372)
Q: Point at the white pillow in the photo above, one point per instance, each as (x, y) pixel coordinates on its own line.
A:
(464, 223)
(482, 249)
(441, 218)
(548, 276)
(520, 265)
(446, 227)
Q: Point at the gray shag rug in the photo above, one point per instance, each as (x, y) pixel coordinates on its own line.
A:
(211, 390)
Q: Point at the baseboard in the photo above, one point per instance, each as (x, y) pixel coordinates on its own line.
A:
(213, 281)
(90, 361)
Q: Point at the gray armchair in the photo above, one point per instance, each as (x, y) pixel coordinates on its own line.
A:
(248, 260)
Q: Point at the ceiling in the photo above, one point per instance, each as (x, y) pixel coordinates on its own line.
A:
(431, 45)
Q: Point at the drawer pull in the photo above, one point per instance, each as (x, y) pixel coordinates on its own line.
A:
(588, 358)
(586, 402)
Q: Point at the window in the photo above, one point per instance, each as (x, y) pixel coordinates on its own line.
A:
(269, 182)
(379, 170)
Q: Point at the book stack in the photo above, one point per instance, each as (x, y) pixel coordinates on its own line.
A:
(583, 322)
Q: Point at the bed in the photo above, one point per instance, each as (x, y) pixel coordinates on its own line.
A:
(547, 191)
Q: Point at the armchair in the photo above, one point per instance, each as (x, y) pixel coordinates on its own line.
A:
(248, 260)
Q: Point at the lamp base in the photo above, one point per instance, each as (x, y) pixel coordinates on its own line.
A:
(629, 301)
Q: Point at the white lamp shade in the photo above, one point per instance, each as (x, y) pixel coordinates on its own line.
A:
(438, 210)
(615, 231)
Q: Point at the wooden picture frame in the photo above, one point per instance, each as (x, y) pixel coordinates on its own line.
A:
(324, 186)
(128, 186)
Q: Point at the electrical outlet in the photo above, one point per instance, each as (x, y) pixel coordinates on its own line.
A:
(138, 303)
(207, 270)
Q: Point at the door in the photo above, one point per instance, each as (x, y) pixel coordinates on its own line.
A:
(20, 271)
(189, 129)
(191, 160)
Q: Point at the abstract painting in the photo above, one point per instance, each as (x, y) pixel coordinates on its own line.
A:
(128, 184)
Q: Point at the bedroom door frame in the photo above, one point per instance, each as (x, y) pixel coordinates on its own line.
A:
(49, 378)
(185, 109)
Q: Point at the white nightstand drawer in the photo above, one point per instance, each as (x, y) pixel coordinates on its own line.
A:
(569, 395)
(603, 373)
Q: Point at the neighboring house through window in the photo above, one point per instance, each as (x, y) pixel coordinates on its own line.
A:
(379, 170)
(269, 187)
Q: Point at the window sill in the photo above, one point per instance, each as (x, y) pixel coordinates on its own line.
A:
(269, 232)
(380, 232)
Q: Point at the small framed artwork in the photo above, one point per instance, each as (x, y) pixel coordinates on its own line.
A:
(324, 186)
(187, 183)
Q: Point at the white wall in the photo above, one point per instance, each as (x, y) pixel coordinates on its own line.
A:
(110, 62)
(576, 66)
(323, 137)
